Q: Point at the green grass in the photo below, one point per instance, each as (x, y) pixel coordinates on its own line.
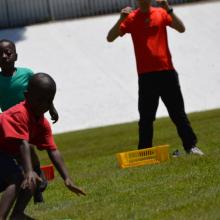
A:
(184, 188)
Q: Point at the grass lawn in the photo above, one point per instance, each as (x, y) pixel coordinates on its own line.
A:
(183, 188)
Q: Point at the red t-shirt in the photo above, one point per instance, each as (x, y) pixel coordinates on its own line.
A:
(19, 123)
(149, 35)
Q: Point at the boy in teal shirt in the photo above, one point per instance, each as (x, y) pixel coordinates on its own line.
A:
(12, 87)
(13, 83)
(14, 80)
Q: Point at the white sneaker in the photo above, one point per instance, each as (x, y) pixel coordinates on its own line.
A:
(176, 153)
(195, 150)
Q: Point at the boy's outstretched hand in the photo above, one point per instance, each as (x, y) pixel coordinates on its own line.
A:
(72, 187)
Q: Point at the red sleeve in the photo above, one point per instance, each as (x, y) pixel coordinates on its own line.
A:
(125, 26)
(46, 140)
(14, 126)
(167, 19)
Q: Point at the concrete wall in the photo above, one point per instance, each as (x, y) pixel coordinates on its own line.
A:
(4, 21)
(14, 13)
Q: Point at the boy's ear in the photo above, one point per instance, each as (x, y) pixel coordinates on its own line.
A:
(25, 94)
(16, 57)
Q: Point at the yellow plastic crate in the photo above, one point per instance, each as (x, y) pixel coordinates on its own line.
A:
(151, 155)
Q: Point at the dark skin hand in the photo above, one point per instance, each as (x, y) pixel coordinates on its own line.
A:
(58, 162)
(72, 187)
(30, 181)
(30, 177)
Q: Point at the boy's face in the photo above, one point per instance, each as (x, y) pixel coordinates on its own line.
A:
(41, 100)
(8, 54)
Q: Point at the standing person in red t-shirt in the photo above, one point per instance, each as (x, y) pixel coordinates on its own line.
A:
(20, 125)
(157, 77)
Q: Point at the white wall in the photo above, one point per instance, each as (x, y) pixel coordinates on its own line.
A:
(97, 82)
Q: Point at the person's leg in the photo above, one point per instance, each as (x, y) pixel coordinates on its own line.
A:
(148, 100)
(172, 97)
(38, 197)
(25, 195)
(7, 200)
(10, 181)
(22, 201)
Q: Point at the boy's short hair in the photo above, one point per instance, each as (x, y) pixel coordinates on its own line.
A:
(38, 78)
(8, 41)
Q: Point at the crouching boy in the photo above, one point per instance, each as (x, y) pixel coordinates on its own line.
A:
(22, 124)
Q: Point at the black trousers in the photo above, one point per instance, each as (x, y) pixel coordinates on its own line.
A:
(164, 85)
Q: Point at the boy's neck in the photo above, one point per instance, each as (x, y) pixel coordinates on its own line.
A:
(8, 71)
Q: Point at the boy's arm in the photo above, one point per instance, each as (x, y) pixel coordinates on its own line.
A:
(115, 30)
(53, 113)
(25, 157)
(58, 162)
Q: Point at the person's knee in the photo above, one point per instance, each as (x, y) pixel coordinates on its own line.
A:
(7, 200)
(146, 121)
(3, 214)
(2, 217)
(178, 116)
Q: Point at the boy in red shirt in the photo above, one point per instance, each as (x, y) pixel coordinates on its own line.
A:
(13, 84)
(20, 125)
(157, 77)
